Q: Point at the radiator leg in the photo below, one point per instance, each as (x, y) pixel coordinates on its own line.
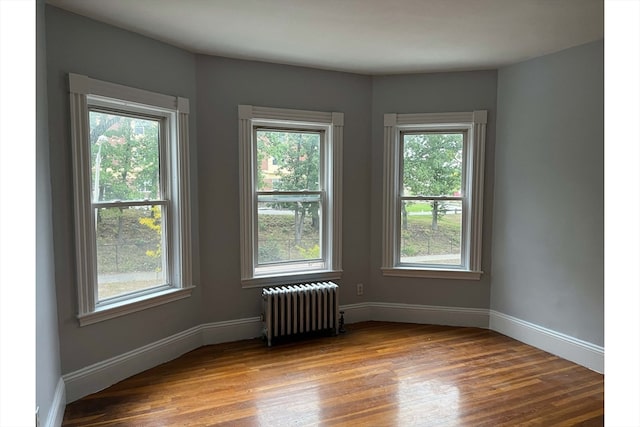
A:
(342, 330)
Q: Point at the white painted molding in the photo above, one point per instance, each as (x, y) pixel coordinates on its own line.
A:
(581, 352)
(391, 164)
(284, 115)
(473, 123)
(245, 169)
(103, 374)
(332, 123)
(354, 313)
(480, 117)
(56, 410)
(435, 118)
(84, 229)
(288, 279)
(476, 162)
(83, 85)
(415, 313)
(436, 273)
(79, 84)
(335, 182)
(245, 112)
(575, 350)
(433, 315)
(134, 304)
(183, 105)
(390, 119)
(233, 330)
(86, 92)
(181, 190)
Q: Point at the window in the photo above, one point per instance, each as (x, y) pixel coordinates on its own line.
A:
(291, 195)
(130, 159)
(432, 194)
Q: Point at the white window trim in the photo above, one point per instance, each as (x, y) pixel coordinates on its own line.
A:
(393, 125)
(248, 117)
(83, 92)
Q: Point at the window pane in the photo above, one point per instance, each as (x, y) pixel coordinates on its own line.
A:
(288, 160)
(129, 249)
(124, 157)
(432, 164)
(289, 231)
(431, 239)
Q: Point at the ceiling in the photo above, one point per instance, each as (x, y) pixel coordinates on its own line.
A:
(360, 36)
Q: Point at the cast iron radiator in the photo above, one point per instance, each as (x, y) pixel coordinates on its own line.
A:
(299, 309)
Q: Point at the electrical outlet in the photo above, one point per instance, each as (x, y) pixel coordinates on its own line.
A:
(359, 289)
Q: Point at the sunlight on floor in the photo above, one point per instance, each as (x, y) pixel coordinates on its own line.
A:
(419, 401)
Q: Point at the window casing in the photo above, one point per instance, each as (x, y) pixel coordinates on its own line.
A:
(290, 174)
(420, 192)
(132, 218)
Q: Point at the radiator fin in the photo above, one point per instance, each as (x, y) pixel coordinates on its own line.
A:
(300, 308)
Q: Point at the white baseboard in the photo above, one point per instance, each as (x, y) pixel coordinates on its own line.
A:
(414, 313)
(354, 313)
(581, 352)
(229, 331)
(56, 412)
(103, 374)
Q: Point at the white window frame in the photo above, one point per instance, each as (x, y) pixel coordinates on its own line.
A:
(85, 93)
(474, 123)
(252, 117)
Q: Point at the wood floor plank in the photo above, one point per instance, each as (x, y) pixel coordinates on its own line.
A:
(377, 374)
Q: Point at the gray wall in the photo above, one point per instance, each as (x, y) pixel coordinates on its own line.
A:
(79, 45)
(529, 281)
(430, 93)
(548, 239)
(223, 84)
(47, 345)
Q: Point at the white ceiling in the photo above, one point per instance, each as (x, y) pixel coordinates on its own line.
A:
(361, 36)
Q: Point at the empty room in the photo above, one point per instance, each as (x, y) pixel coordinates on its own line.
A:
(270, 213)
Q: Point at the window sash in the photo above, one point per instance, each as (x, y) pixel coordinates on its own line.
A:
(434, 131)
(128, 203)
(304, 196)
(295, 128)
(463, 241)
(106, 302)
(171, 112)
(290, 265)
(293, 196)
(474, 124)
(103, 106)
(165, 235)
(269, 270)
(464, 255)
(164, 176)
(100, 105)
(443, 198)
(330, 124)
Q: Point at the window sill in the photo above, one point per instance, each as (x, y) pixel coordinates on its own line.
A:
(133, 305)
(432, 273)
(288, 279)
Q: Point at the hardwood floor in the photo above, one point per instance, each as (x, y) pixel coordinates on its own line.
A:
(377, 374)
